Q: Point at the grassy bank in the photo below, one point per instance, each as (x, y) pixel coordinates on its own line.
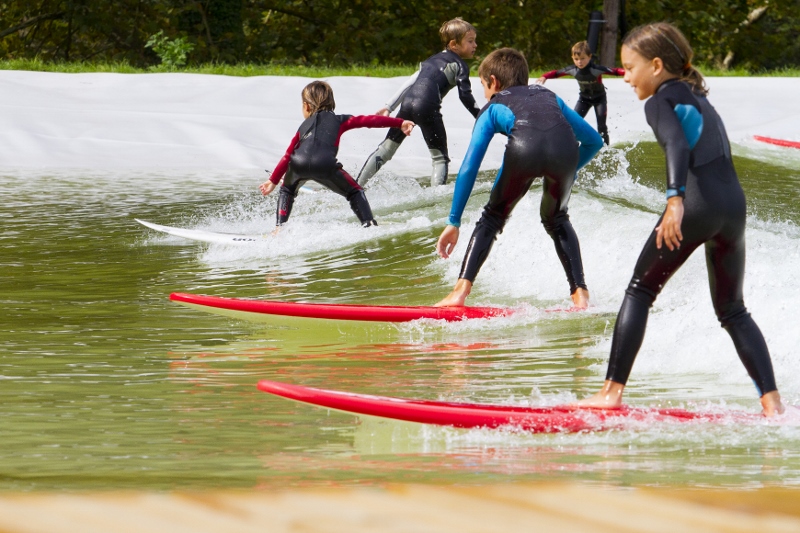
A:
(244, 69)
(321, 71)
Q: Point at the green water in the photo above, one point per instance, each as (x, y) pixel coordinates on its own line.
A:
(106, 384)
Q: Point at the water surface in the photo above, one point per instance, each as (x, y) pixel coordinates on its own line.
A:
(105, 384)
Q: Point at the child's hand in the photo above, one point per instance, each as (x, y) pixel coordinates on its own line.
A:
(447, 241)
(541, 81)
(267, 187)
(384, 112)
(407, 126)
(669, 231)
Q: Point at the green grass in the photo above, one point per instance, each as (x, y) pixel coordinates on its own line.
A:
(713, 72)
(319, 71)
(244, 69)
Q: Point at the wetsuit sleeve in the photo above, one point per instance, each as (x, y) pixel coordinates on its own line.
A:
(369, 121)
(600, 70)
(566, 71)
(465, 90)
(397, 97)
(590, 141)
(283, 164)
(670, 136)
(495, 119)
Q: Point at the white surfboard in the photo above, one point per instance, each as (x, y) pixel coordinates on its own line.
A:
(204, 236)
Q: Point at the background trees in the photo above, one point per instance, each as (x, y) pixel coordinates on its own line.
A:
(341, 32)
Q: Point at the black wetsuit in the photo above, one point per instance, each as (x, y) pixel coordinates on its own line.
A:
(543, 135)
(699, 168)
(421, 100)
(312, 156)
(592, 92)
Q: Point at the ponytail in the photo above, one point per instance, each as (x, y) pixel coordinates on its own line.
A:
(693, 77)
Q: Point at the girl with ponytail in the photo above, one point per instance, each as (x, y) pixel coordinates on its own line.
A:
(705, 206)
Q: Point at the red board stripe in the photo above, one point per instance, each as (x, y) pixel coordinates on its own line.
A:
(369, 313)
(777, 142)
(555, 419)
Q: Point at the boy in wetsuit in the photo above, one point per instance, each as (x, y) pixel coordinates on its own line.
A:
(592, 92)
(312, 153)
(545, 139)
(420, 100)
(705, 206)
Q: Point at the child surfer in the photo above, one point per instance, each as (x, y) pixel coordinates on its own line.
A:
(592, 92)
(312, 153)
(545, 139)
(420, 100)
(705, 206)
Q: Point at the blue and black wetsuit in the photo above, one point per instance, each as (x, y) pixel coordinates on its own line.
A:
(312, 156)
(592, 92)
(543, 141)
(420, 100)
(700, 169)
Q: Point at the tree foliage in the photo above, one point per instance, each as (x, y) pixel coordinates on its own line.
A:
(343, 32)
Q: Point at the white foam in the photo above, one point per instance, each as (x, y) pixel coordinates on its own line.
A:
(194, 123)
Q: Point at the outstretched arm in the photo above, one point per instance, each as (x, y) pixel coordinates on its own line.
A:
(280, 169)
(566, 71)
(601, 70)
(375, 121)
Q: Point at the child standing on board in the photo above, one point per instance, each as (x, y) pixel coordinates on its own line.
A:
(420, 100)
(545, 139)
(592, 92)
(312, 153)
(705, 206)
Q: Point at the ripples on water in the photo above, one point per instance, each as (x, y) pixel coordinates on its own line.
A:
(106, 384)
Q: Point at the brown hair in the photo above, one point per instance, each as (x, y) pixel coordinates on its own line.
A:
(507, 65)
(666, 42)
(319, 96)
(455, 30)
(581, 47)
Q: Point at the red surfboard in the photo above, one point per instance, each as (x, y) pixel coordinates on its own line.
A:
(263, 309)
(777, 142)
(557, 419)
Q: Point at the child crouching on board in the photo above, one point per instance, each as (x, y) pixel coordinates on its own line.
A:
(705, 207)
(312, 153)
(420, 100)
(546, 139)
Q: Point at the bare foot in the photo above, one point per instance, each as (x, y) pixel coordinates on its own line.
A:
(457, 297)
(771, 403)
(275, 231)
(580, 298)
(609, 397)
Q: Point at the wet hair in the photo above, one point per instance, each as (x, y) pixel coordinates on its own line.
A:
(319, 96)
(455, 30)
(582, 47)
(507, 65)
(666, 42)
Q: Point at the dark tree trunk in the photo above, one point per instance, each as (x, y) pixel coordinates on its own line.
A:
(608, 45)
